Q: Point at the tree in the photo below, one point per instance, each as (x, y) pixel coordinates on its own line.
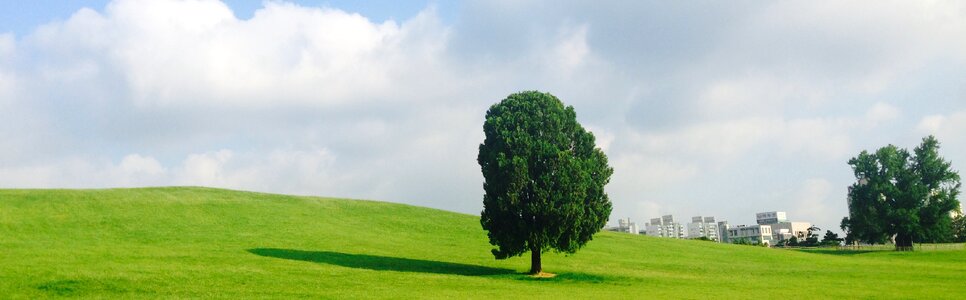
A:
(940, 190)
(844, 225)
(811, 237)
(902, 195)
(831, 238)
(812, 231)
(959, 228)
(543, 178)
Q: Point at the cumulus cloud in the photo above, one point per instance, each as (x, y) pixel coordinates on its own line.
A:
(184, 52)
(710, 109)
(206, 169)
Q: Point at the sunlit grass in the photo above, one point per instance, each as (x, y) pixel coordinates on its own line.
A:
(211, 243)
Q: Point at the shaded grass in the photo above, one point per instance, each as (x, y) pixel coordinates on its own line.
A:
(211, 243)
(834, 251)
(380, 263)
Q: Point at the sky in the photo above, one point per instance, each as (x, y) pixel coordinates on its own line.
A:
(703, 108)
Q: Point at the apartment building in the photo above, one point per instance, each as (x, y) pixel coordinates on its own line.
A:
(771, 227)
(723, 231)
(665, 227)
(625, 225)
(703, 227)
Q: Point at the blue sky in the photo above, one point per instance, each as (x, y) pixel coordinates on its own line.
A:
(21, 17)
(704, 108)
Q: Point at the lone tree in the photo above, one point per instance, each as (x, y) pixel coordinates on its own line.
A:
(908, 196)
(543, 178)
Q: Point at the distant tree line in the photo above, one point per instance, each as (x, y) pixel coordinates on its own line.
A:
(811, 239)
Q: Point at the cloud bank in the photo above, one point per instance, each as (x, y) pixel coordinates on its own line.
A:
(703, 108)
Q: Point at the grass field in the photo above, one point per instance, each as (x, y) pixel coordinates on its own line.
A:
(211, 243)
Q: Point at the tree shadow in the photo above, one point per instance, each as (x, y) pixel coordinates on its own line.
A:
(839, 252)
(380, 263)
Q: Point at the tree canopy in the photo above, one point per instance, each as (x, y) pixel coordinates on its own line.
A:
(959, 228)
(902, 194)
(543, 177)
(831, 239)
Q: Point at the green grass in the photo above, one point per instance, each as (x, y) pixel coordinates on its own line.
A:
(211, 243)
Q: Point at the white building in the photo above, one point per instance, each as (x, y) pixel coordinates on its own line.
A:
(666, 227)
(625, 225)
(787, 230)
(781, 228)
(655, 228)
(771, 217)
(703, 227)
(755, 234)
(723, 232)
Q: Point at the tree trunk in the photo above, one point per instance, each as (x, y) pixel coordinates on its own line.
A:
(535, 267)
(904, 242)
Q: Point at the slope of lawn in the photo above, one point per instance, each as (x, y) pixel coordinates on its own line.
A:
(210, 243)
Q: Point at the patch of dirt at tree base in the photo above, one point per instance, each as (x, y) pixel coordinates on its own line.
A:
(543, 275)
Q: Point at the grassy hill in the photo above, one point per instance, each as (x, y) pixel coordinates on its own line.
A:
(212, 243)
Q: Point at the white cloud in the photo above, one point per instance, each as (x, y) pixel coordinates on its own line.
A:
(34, 176)
(571, 50)
(135, 163)
(197, 52)
(647, 208)
(643, 172)
(882, 112)
(817, 139)
(716, 141)
(603, 138)
(206, 169)
(7, 79)
(75, 172)
(722, 142)
(931, 124)
(281, 170)
(7, 84)
(7, 44)
(813, 203)
(695, 107)
(864, 46)
(948, 129)
(755, 94)
(945, 126)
